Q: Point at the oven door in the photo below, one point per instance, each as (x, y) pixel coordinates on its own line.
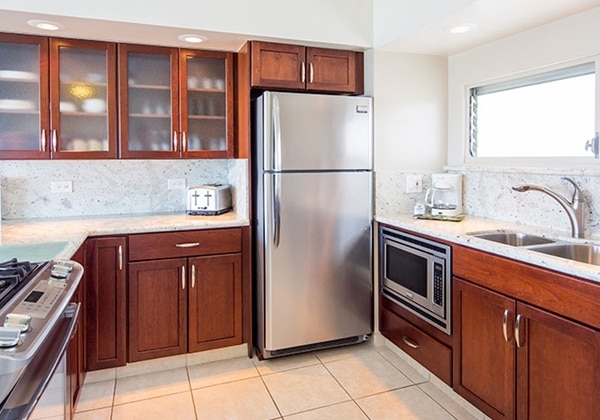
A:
(42, 390)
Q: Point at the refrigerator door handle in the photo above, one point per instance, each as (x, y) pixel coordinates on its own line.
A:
(276, 134)
(276, 210)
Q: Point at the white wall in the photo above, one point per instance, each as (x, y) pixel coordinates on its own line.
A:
(410, 111)
(568, 39)
(410, 123)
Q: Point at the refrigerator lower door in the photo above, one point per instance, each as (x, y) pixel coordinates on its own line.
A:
(316, 268)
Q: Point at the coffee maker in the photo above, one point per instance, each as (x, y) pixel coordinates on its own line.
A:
(444, 198)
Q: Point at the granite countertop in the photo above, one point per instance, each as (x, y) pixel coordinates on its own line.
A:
(45, 239)
(457, 232)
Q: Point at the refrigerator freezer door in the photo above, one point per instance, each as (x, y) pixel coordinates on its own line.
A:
(316, 132)
(317, 266)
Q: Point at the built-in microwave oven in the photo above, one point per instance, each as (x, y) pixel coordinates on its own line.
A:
(416, 273)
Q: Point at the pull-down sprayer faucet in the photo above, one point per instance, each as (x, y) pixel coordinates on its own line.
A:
(574, 207)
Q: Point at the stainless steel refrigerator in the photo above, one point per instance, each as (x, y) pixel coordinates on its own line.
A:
(312, 209)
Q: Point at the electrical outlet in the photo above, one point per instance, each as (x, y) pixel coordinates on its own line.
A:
(176, 184)
(414, 184)
(61, 186)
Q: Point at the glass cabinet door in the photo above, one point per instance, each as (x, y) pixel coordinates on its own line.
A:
(147, 78)
(83, 97)
(206, 103)
(23, 97)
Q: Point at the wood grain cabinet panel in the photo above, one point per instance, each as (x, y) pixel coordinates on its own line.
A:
(157, 309)
(184, 298)
(105, 303)
(298, 68)
(215, 302)
(515, 359)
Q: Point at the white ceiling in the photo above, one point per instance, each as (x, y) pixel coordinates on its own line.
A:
(495, 19)
(408, 26)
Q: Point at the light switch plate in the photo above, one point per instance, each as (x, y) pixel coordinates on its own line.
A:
(414, 184)
(176, 184)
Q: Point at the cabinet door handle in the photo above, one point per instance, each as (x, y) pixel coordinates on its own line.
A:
(183, 277)
(410, 343)
(187, 245)
(120, 252)
(505, 325)
(43, 140)
(183, 141)
(175, 141)
(311, 73)
(518, 331)
(303, 72)
(54, 141)
(193, 275)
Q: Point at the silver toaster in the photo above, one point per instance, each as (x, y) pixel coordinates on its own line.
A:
(209, 200)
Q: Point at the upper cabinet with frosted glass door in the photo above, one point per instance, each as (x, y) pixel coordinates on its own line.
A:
(24, 97)
(206, 103)
(83, 94)
(57, 98)
(175, 103)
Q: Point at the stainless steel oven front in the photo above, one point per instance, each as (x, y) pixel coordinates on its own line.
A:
(416, 273)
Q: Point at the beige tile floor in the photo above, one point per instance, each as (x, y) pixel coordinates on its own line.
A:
(354, 382)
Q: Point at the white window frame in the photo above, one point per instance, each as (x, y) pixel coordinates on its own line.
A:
(545, 162)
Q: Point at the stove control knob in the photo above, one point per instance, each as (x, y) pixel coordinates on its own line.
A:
(59, 272)
(66, 264)
(20, 321)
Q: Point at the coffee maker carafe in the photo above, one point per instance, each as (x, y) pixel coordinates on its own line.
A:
(444, 198)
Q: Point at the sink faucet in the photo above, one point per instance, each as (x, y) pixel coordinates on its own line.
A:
(574, 207)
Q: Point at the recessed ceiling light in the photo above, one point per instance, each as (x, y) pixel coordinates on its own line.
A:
(462, 28)
(193, 38)
(45, 25)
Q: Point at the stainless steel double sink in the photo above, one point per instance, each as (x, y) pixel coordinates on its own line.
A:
(587, 253)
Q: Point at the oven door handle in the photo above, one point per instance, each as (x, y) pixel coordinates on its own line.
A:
(36, 376)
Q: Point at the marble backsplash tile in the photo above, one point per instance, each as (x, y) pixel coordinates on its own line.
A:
(488, 193)
(103, 187)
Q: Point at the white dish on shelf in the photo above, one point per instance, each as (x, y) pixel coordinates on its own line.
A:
(67, 107)
(94, 105)
(17, 75)
(16, 104)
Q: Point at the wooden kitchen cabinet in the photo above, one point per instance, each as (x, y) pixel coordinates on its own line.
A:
(514, 357)
(195, 278)
(298, 68)
(175, 103)
(414, 337)
(58, 98)
(105, 302)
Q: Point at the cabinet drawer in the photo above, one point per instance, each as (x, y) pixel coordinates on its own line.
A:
(152, 246)
(432, 354)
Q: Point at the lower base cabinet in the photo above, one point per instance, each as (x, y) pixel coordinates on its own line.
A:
(105, 302)
(417, 341)
(185, 304)
(518, 361)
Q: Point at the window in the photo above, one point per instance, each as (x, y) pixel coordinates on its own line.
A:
(546, 115)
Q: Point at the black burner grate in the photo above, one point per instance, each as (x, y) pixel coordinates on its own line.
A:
(13, 275)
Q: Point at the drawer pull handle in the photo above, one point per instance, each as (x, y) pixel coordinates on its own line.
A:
(409, 342)
(187, 245)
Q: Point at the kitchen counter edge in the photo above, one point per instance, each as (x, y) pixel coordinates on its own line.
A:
(74, 231)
